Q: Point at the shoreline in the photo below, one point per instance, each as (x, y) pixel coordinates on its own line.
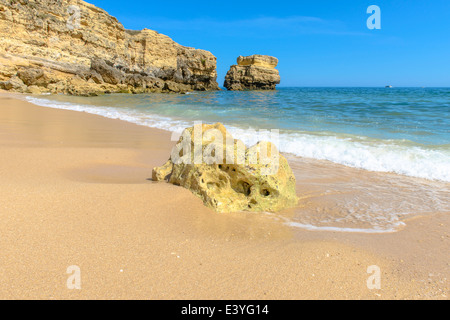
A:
(91, 204)
(397, 156)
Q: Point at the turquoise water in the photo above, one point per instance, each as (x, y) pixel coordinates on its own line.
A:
(401, 130)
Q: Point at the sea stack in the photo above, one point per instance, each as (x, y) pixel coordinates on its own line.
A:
(73, 47)
(256, 72)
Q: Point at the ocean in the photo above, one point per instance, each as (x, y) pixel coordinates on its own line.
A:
(404, 132)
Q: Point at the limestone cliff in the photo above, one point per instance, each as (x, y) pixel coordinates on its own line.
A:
(73, 47)
(256, 72)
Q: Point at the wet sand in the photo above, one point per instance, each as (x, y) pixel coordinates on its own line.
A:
(76, 190)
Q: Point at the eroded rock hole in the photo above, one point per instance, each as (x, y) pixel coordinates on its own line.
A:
(245, 187)
(224, 168)
(212, 185)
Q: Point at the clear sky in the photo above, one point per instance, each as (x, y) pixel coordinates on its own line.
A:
(318, 42)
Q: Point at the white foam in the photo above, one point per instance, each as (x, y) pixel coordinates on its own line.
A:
(382, 156)
(392, 227)
(133, 116)
(311, 227)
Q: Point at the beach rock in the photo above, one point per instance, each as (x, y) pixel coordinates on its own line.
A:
(228, 176)
(14, 84)
(32, 76)
(256, 72)
(37, 90)
(108, 73)
(170, 86)
(49, 43)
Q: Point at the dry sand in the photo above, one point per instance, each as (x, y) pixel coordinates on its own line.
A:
(75, 189)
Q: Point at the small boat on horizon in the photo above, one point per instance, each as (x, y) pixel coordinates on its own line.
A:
(389, 87)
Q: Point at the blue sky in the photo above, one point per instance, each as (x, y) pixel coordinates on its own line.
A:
(318, 43)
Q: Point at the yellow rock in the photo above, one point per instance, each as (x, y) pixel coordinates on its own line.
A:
(226, 175)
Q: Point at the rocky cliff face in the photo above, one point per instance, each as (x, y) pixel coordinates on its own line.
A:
(256, 72)
(73, 47)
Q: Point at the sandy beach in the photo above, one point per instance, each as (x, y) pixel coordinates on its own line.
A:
(76, 190)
